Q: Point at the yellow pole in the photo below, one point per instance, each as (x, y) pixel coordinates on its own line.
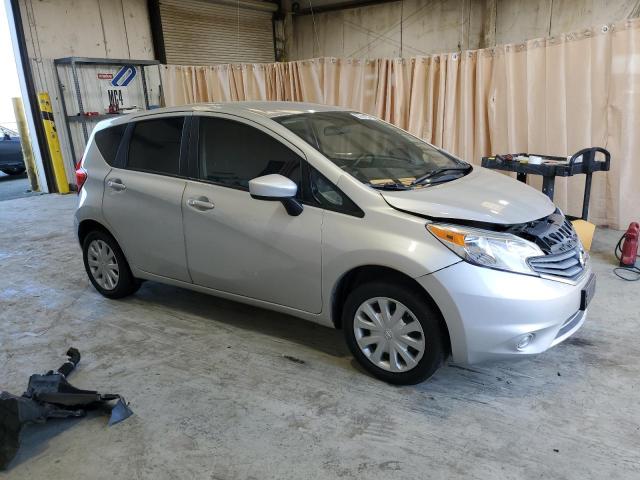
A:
(25, 143)
(53, 142)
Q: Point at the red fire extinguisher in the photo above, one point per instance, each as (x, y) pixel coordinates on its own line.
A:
(629, 250)
(628, 253)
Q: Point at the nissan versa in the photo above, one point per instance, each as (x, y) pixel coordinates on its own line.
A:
(336, 217)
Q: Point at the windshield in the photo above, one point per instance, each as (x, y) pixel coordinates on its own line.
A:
(374, 152)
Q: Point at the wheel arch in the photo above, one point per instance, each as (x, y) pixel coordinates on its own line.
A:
(131, 283)
(88, 225)
(368, 273)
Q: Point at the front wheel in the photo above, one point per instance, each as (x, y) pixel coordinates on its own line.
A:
(393, 332)
(107, 267)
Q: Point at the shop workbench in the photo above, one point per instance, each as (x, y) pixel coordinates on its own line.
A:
(550, 167)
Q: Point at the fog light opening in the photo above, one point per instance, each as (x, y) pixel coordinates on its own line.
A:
(524, 341)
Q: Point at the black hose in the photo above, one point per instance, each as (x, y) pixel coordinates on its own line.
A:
(631, 274)
(74, 358)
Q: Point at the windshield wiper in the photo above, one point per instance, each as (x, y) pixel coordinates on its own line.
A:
(439, 171)
(390, 186)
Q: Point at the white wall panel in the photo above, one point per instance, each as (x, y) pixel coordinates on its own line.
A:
(88, 28)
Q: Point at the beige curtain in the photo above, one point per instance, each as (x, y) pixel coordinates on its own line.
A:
(551, 96)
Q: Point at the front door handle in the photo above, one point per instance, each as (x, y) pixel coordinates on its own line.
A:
(201, 203)
(116, 184)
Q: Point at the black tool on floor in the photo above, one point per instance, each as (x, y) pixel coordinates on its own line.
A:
(49, 395)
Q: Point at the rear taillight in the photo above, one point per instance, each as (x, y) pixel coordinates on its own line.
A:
(81, 176)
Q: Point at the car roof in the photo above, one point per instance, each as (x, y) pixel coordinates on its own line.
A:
(243, 109)
(269, 109)
(266, 109)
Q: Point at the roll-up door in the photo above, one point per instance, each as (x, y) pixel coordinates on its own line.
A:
(205, 32)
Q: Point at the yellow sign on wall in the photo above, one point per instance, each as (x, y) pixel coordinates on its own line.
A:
(53, 142)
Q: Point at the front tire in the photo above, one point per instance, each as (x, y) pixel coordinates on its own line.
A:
(393, 332)
(106, 266)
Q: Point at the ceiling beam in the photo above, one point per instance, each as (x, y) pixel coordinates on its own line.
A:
(297, 10)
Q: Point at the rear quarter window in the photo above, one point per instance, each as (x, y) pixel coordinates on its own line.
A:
(108, 141)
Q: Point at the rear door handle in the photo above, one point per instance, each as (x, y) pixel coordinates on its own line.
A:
(201, 203)
(116, 184)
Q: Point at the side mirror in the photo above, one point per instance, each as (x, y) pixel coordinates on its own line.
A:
(276, 187)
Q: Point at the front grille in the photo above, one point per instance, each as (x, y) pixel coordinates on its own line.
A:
(553, 233)
(563, 256)
(565, 264)
(562, 239)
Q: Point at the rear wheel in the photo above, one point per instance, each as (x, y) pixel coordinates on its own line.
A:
(393, 332)
(107, 267)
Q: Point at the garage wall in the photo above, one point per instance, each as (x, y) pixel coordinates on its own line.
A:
(89, 28)
(375, 31)
(519, 20)
(420, 27)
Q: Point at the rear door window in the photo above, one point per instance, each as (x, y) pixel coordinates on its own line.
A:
(108, 141)
(155, 146)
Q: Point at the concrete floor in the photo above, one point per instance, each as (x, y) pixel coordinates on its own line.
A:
(217, 395)
(15, 186)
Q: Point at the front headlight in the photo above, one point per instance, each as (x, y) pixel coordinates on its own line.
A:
(485, 248)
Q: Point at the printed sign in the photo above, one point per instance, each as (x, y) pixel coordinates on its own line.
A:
(116, 97)
(115, 91)
(124, 76)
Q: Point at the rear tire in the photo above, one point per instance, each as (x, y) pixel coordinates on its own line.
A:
(403, 346)
(107, 267)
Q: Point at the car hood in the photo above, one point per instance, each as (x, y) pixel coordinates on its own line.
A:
(481, 196)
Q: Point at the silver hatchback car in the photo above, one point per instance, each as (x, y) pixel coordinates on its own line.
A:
(336, 217)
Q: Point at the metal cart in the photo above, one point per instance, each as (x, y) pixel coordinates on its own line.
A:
(552, 167)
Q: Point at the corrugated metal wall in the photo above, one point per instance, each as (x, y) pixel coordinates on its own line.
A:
(201, 32)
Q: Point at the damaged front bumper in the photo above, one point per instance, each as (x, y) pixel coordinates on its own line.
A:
(491, 314)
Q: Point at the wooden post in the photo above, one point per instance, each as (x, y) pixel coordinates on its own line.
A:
(25, 142)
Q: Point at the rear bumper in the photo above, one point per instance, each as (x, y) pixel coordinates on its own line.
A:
(488, 312)
(11, 164)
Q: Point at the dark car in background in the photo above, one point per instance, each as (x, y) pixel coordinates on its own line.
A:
(11, 161)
